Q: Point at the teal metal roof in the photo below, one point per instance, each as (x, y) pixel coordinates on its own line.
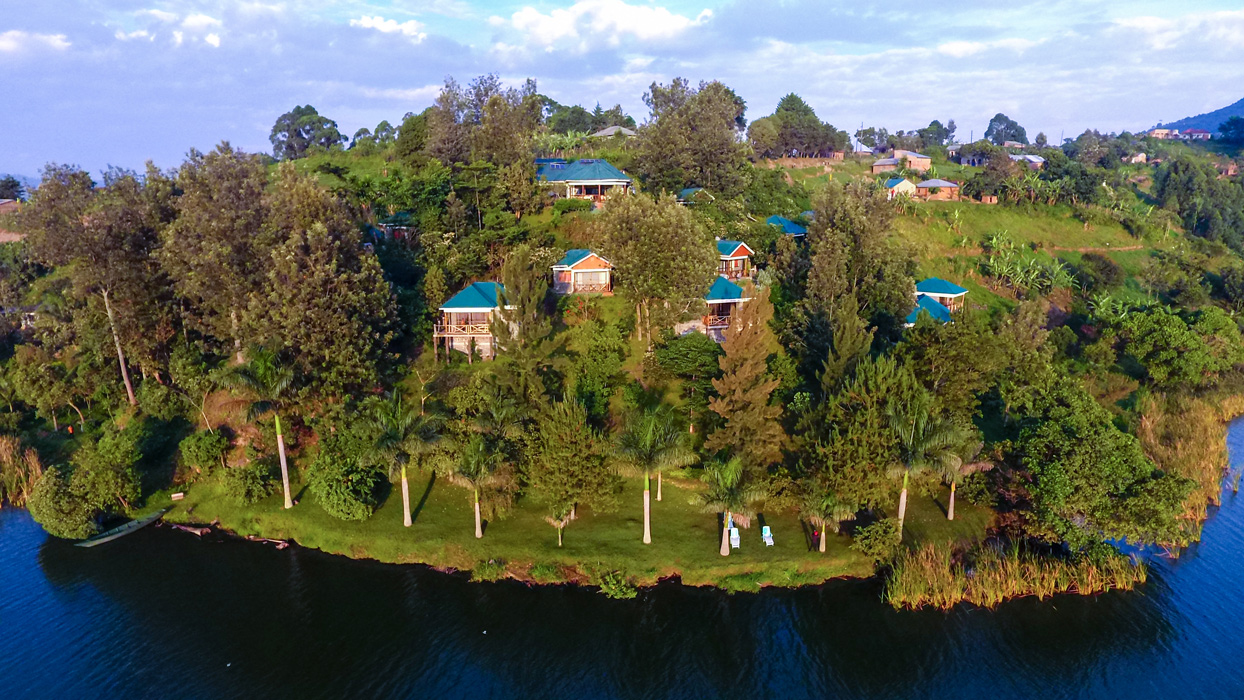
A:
(688, 192)
(786, 225)
(930, 306)
(724, 290)
(937, 285)
(476, 295)
(728, 247)
(402, 218)
(584, 170)
(573, 257)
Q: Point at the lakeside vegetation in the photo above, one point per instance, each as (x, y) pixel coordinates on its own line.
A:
(247, 331)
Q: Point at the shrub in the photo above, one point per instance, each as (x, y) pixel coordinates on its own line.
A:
(562, 206)
(546, 572)
(1097, 272)
(20, 471)
(61, 512)
(249, 484)
(879, 541)
(346, 488)
(616, 585)
(203, 450)
(158, 401)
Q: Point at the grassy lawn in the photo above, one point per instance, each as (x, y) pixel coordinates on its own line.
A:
(685, 540)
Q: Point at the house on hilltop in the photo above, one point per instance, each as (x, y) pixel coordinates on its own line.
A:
(1030, 161)
(735, 260)
(903, 159)
(937, 191)
(899, 187)
(788, 227)
(589, 178)
(466, 321)
(1195, 134)
(581, 271)
(947, 294)
(1164, 134)
(611, 131)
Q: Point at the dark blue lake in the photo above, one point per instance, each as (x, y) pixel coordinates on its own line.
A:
(162, 614)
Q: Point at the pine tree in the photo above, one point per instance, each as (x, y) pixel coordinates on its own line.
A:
(571, 468)
(751, 431)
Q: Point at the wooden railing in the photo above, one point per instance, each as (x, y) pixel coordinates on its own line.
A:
(734, 273)
(716, 321)
(460, 329)
(591, 288)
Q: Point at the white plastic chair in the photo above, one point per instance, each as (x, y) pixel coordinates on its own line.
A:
(734, 538)
(766, 534)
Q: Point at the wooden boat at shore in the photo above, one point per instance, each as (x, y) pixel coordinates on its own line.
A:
(123, 530)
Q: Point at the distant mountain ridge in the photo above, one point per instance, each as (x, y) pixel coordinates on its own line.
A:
(1208, 121)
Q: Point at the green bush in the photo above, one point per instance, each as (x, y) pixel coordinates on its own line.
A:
(975, 490)
(546, 572)
(158, 401)
(616, 585)
(249, 484)
(203, 450)
(61, 512)
(879, 541)
(346, 488)
(562, 206)
(489, 570)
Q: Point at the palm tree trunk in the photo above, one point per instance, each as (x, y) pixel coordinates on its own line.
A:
(824, 531)
(902, 506)
(950, 512)
(280, 449)
(725, 535)
(658, 486)
(116, 339)
(479, 526)
(647, 510)
(559, 534)
(405, 499)
(237, 336)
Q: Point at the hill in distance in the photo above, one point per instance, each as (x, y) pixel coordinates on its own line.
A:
(1208, 121)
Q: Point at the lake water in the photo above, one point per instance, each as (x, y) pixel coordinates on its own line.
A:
(162, 614)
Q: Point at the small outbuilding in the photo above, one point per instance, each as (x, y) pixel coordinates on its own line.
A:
(937, 190)
(580, 271)
(899, 187)
(947, 294)
(466, 320)
(788, 227)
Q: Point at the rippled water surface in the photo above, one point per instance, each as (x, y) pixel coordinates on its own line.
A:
(161, 614)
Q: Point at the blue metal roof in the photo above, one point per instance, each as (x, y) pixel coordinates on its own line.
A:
(894, 182)
(786, 225)
(930, 306)
(724, 290)
(584, 170)
(688, 192)
(476, 295)
(573, 257)
(728, 247)
(936, 183)
(937, 285)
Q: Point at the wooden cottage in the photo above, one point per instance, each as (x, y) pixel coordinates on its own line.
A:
(723, 300)
(937, 191)
(899, 187)
(466, 320)
(735, 260)
(590, 179)
(947, 294)
(581, 271)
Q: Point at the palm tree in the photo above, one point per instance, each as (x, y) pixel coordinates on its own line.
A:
(476, 469)
(405, 434)
(924, 442)
(653, 442)
(270, 381)
(825, 510)
(560, 519)
(730, 494)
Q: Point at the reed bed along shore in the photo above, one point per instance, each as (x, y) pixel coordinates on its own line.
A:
(939, 576)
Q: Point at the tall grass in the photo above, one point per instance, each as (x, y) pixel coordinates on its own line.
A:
(938, 576)
(1187, 436)
(20, 470)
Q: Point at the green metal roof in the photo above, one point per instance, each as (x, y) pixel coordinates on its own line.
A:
(930, 306)
(937, 285)
(476, 295)
(786, 225)
(728, 247)
(724, 290)
(585, 170)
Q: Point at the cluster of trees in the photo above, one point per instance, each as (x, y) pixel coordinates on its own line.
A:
(935, 135)
(794, 130)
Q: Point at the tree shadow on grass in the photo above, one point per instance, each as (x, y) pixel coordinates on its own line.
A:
(414, 514)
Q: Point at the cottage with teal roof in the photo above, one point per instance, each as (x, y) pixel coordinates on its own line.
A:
(591, 179)
(926, 305)
(723, 300)
(466, 321)
(948, 294)
(788, 227)
(735, 260)
(580, 271)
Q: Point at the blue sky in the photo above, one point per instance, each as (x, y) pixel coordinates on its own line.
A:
(97, 83)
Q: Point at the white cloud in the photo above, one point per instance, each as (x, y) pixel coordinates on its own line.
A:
(963, 49)
(609, 20)
(140, 34)
(1160, 33)
(199, 23)
(178, 37)
(427, 92)
(160, 15)
(409, 28)
(15, 40)
(213, 39)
